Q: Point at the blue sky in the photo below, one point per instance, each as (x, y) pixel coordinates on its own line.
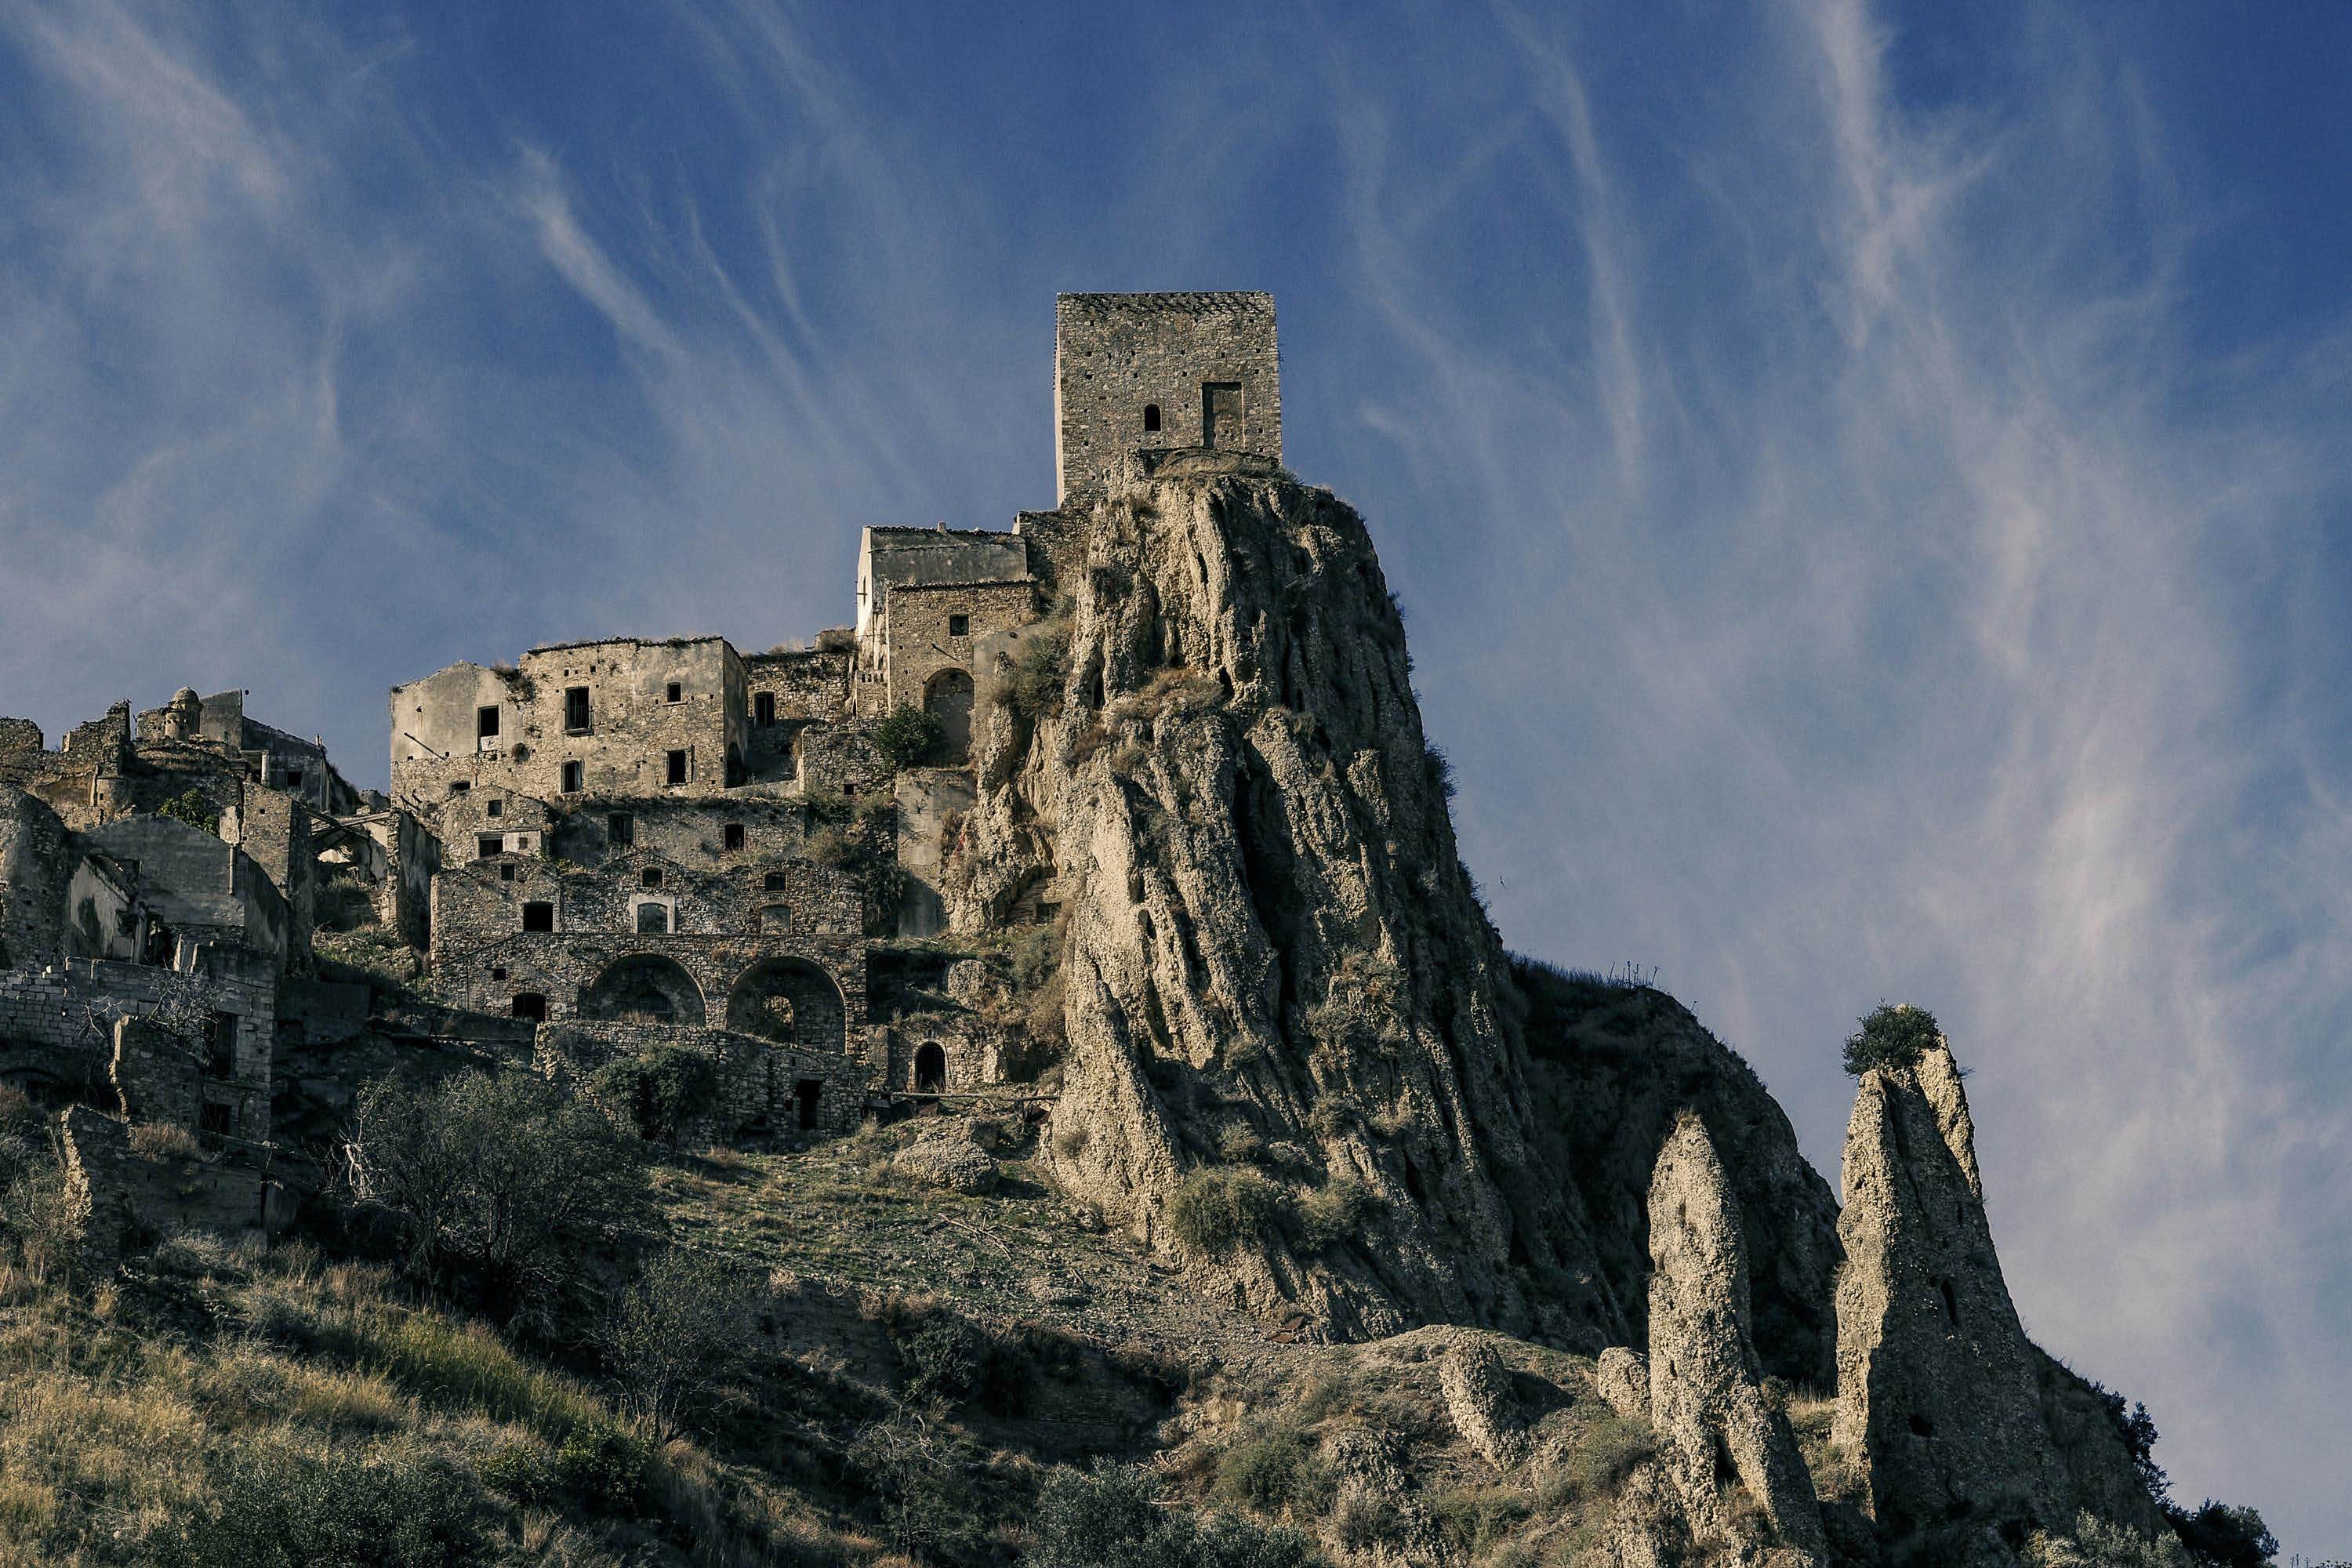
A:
(1867, 485)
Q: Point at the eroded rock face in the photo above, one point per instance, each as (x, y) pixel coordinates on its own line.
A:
(1621, 1378)
(1706, 1394)
(1613, 1066)
(1266, 919)
(1477, 1389)
(1937, 1393)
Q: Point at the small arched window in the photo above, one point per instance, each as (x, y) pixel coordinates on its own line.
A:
(1151, 417)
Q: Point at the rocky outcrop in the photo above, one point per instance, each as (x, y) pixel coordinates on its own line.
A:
(1621, 1378)
(1477, 1390)
(1937, 1393)
(1707, 1393)
(956, 1154)
(1264, 919)
(1613, 1065)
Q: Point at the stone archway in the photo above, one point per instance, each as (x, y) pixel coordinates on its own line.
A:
(644, 988)
(791, 1002)
(946, 697)
(931, 1068)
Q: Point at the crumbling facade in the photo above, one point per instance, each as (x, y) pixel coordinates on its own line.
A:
(611, 847)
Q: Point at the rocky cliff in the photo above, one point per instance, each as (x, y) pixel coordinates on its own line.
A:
(1281, 997)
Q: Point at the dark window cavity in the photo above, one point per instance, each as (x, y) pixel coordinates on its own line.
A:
(488, 845)
(495, 808)
(530, 1004)
(732, 835)
(653, 920)
(538, 915)
(674, 693)
(650, 876)
(575, 709)
(1151, 417)
(621, 829)
(574, 778)
(959, 625)
(773, 881)
(486, 722)
(763, 709)
(677, 767)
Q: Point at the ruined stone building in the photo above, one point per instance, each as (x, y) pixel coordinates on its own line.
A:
(618, 844)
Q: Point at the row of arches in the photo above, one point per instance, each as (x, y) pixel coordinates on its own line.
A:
(787, 1000)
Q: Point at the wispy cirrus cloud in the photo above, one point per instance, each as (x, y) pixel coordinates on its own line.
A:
(1849, 553)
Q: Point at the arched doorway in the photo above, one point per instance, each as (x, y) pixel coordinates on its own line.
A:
(644, 988)
(931, 1068)
(789, 1001)
(948, 699)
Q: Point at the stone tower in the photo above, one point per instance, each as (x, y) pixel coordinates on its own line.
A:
(1160, 371)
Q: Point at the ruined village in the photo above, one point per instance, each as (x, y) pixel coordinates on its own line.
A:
(1086, 911)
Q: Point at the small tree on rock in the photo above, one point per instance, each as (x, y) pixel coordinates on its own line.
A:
(1892, 1035)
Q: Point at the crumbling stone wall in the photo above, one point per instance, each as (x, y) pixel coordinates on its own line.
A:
(118, 1199)
(1116, 354)
(36, 865)
(762, 1087)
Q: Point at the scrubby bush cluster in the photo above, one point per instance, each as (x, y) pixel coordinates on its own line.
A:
(910, 737)
(659, 1091)
(1892, 1035)
(1116, 1518)
(1218, 1209)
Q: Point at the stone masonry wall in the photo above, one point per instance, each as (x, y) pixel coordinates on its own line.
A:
(1116, 354)
(761, 1084)
(917, 640)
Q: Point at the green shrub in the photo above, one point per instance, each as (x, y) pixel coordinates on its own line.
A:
(602, 1464)
(1271, 1471)
(292, 1510)
(1334, 1212)
(909, 737)
(660, 1090)
(676, 1332)
(520, 1470)
(1041, 667)
(499, 1178)
(1892, 1035)
(191, 808)
(1219, 1207)
(1114, 1519)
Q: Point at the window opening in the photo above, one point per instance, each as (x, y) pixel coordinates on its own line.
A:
(538, 915)
(574, 778)
(959, 625)
(763, 709)
(732, 835)
(677, 767)
(621, 828)
(486, 722)
(575, 709)
(1151, 417)
(530, 1004)
(653, 920)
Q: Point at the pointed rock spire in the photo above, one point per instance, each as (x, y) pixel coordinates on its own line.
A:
(1706, 1394)
(1937, 1395)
